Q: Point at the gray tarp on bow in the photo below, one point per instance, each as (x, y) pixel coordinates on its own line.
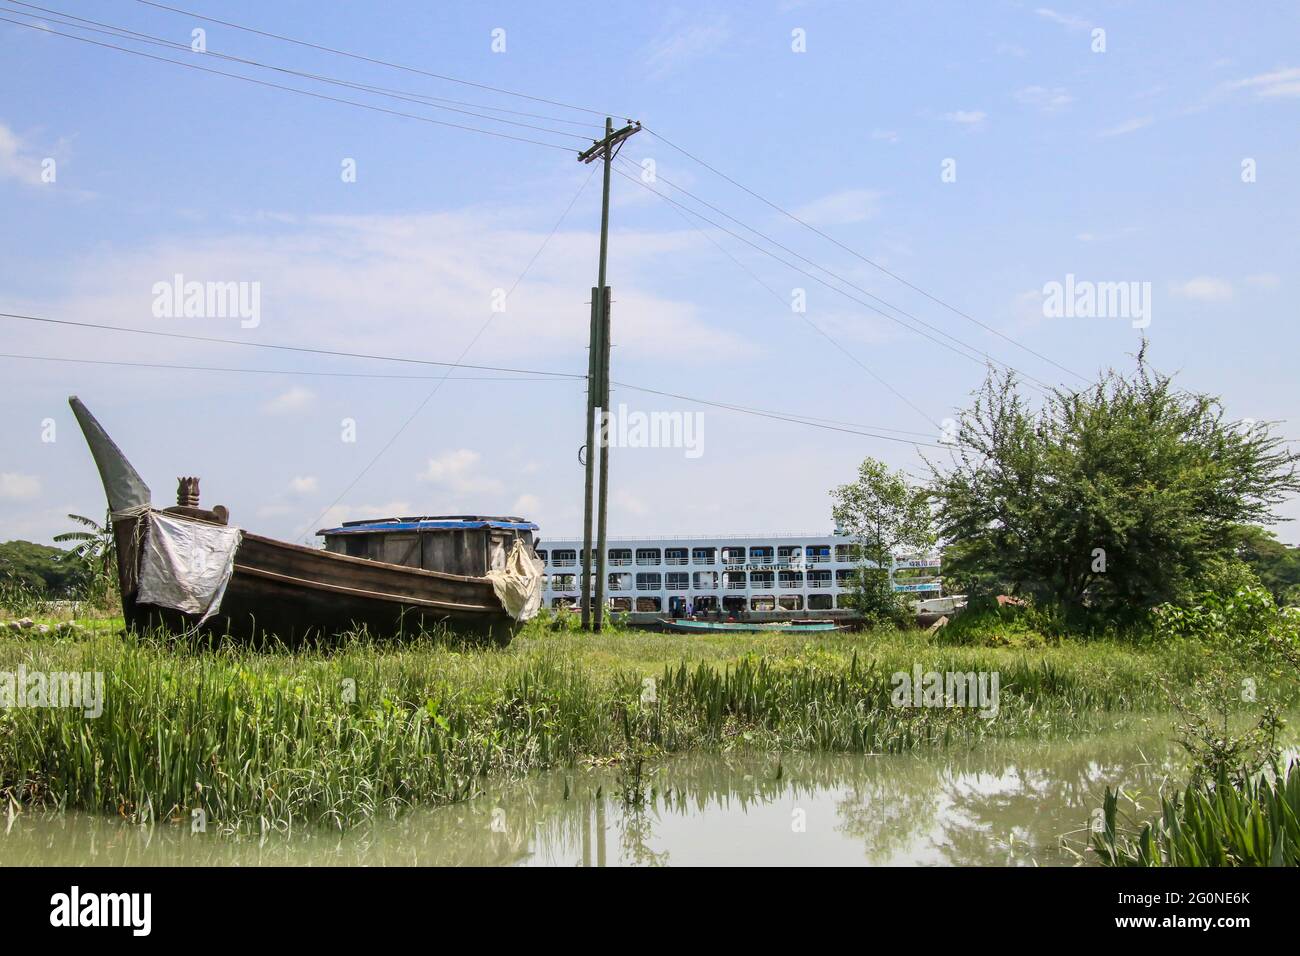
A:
(125, 489)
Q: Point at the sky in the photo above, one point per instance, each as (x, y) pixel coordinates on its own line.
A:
(955, 159)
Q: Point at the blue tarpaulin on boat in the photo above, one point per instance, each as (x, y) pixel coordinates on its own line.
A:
(431, 524)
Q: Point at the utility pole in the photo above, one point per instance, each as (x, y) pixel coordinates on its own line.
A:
(598, 387)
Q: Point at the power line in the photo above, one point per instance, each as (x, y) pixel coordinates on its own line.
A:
(282, 371)
(767, 252)
(378, 62)
(938, 331)
(465, 351)
(339, 353)
(721, 248)
(123, 33)
(852, 428)
(871, 262)
(289, 89)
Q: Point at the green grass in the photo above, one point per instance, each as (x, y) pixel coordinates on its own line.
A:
(1252, 822)
(274, 740)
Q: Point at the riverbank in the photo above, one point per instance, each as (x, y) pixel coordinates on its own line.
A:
(280, 740)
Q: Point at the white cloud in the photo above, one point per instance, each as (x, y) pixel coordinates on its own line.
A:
(304, 485)
(16, 159)
(1046, 99)
(526, 506)
(1283, 82)
(969, 118)
(295, 400)
(1204, 289)
(846, 206)
(327, 281)
(1128, 126)
(1068, 20)
(14, 485)
(457, 471)
(691, 42)
(1264, 280)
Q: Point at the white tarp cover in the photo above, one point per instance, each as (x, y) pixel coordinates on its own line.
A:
(519, 584)
(186, 564)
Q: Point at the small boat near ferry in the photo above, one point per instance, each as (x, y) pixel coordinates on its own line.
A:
(187, 568)
(749, 627)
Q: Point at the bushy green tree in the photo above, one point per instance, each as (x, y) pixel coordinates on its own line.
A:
(885, 515)
(1112, 499)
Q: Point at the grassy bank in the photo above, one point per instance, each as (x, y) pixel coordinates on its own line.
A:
(274, 740)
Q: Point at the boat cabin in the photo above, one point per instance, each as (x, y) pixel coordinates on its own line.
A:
(471, 545)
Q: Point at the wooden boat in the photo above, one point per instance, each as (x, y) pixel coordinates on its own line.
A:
(745, 627)
(295, 592)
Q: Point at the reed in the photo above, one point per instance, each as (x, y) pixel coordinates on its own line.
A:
(1251, 822)
(340, 734)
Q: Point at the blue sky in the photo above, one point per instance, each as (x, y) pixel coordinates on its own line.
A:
(1115, 165)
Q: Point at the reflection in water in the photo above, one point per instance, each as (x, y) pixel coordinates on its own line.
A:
(1006, 804)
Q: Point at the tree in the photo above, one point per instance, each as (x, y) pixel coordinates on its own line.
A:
(1115, 498)
(42, 569)
(1276, 564)
(95, 546)
(885, 515)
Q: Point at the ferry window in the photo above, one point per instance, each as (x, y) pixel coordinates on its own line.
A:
(848, 552)
(706, 580)
(620, 604)
(620, 556)
(648, 582)
(675, 556)
(541, 556)
(647, 555)
(762, 579)
(819, 579)
(791, 579)
(790, 554)
(733, 555)
(564, 582)
(761, 554)
(620, 582)
(819, 602)
(704, 555)
(709, 603)
(678, 580)
(762, 602)
(647, 604)
(791, 602)
(818, 553)
(735, 580)
(564, 559)
(844, 577)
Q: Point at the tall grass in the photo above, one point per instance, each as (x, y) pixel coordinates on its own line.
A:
(1255, 822)
(274, 740)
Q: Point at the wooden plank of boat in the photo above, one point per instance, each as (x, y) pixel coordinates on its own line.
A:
(741, 627)
(286, 590)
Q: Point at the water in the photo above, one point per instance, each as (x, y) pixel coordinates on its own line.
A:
(999, 804)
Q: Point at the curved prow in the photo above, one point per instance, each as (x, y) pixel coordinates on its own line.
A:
(123, 486)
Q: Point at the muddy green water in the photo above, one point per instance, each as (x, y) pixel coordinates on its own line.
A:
(1000, 804)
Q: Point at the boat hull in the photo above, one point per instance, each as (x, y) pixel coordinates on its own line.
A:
(724, 627)
(294, 593)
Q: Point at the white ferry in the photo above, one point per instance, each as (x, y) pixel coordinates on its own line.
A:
(746, 577)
